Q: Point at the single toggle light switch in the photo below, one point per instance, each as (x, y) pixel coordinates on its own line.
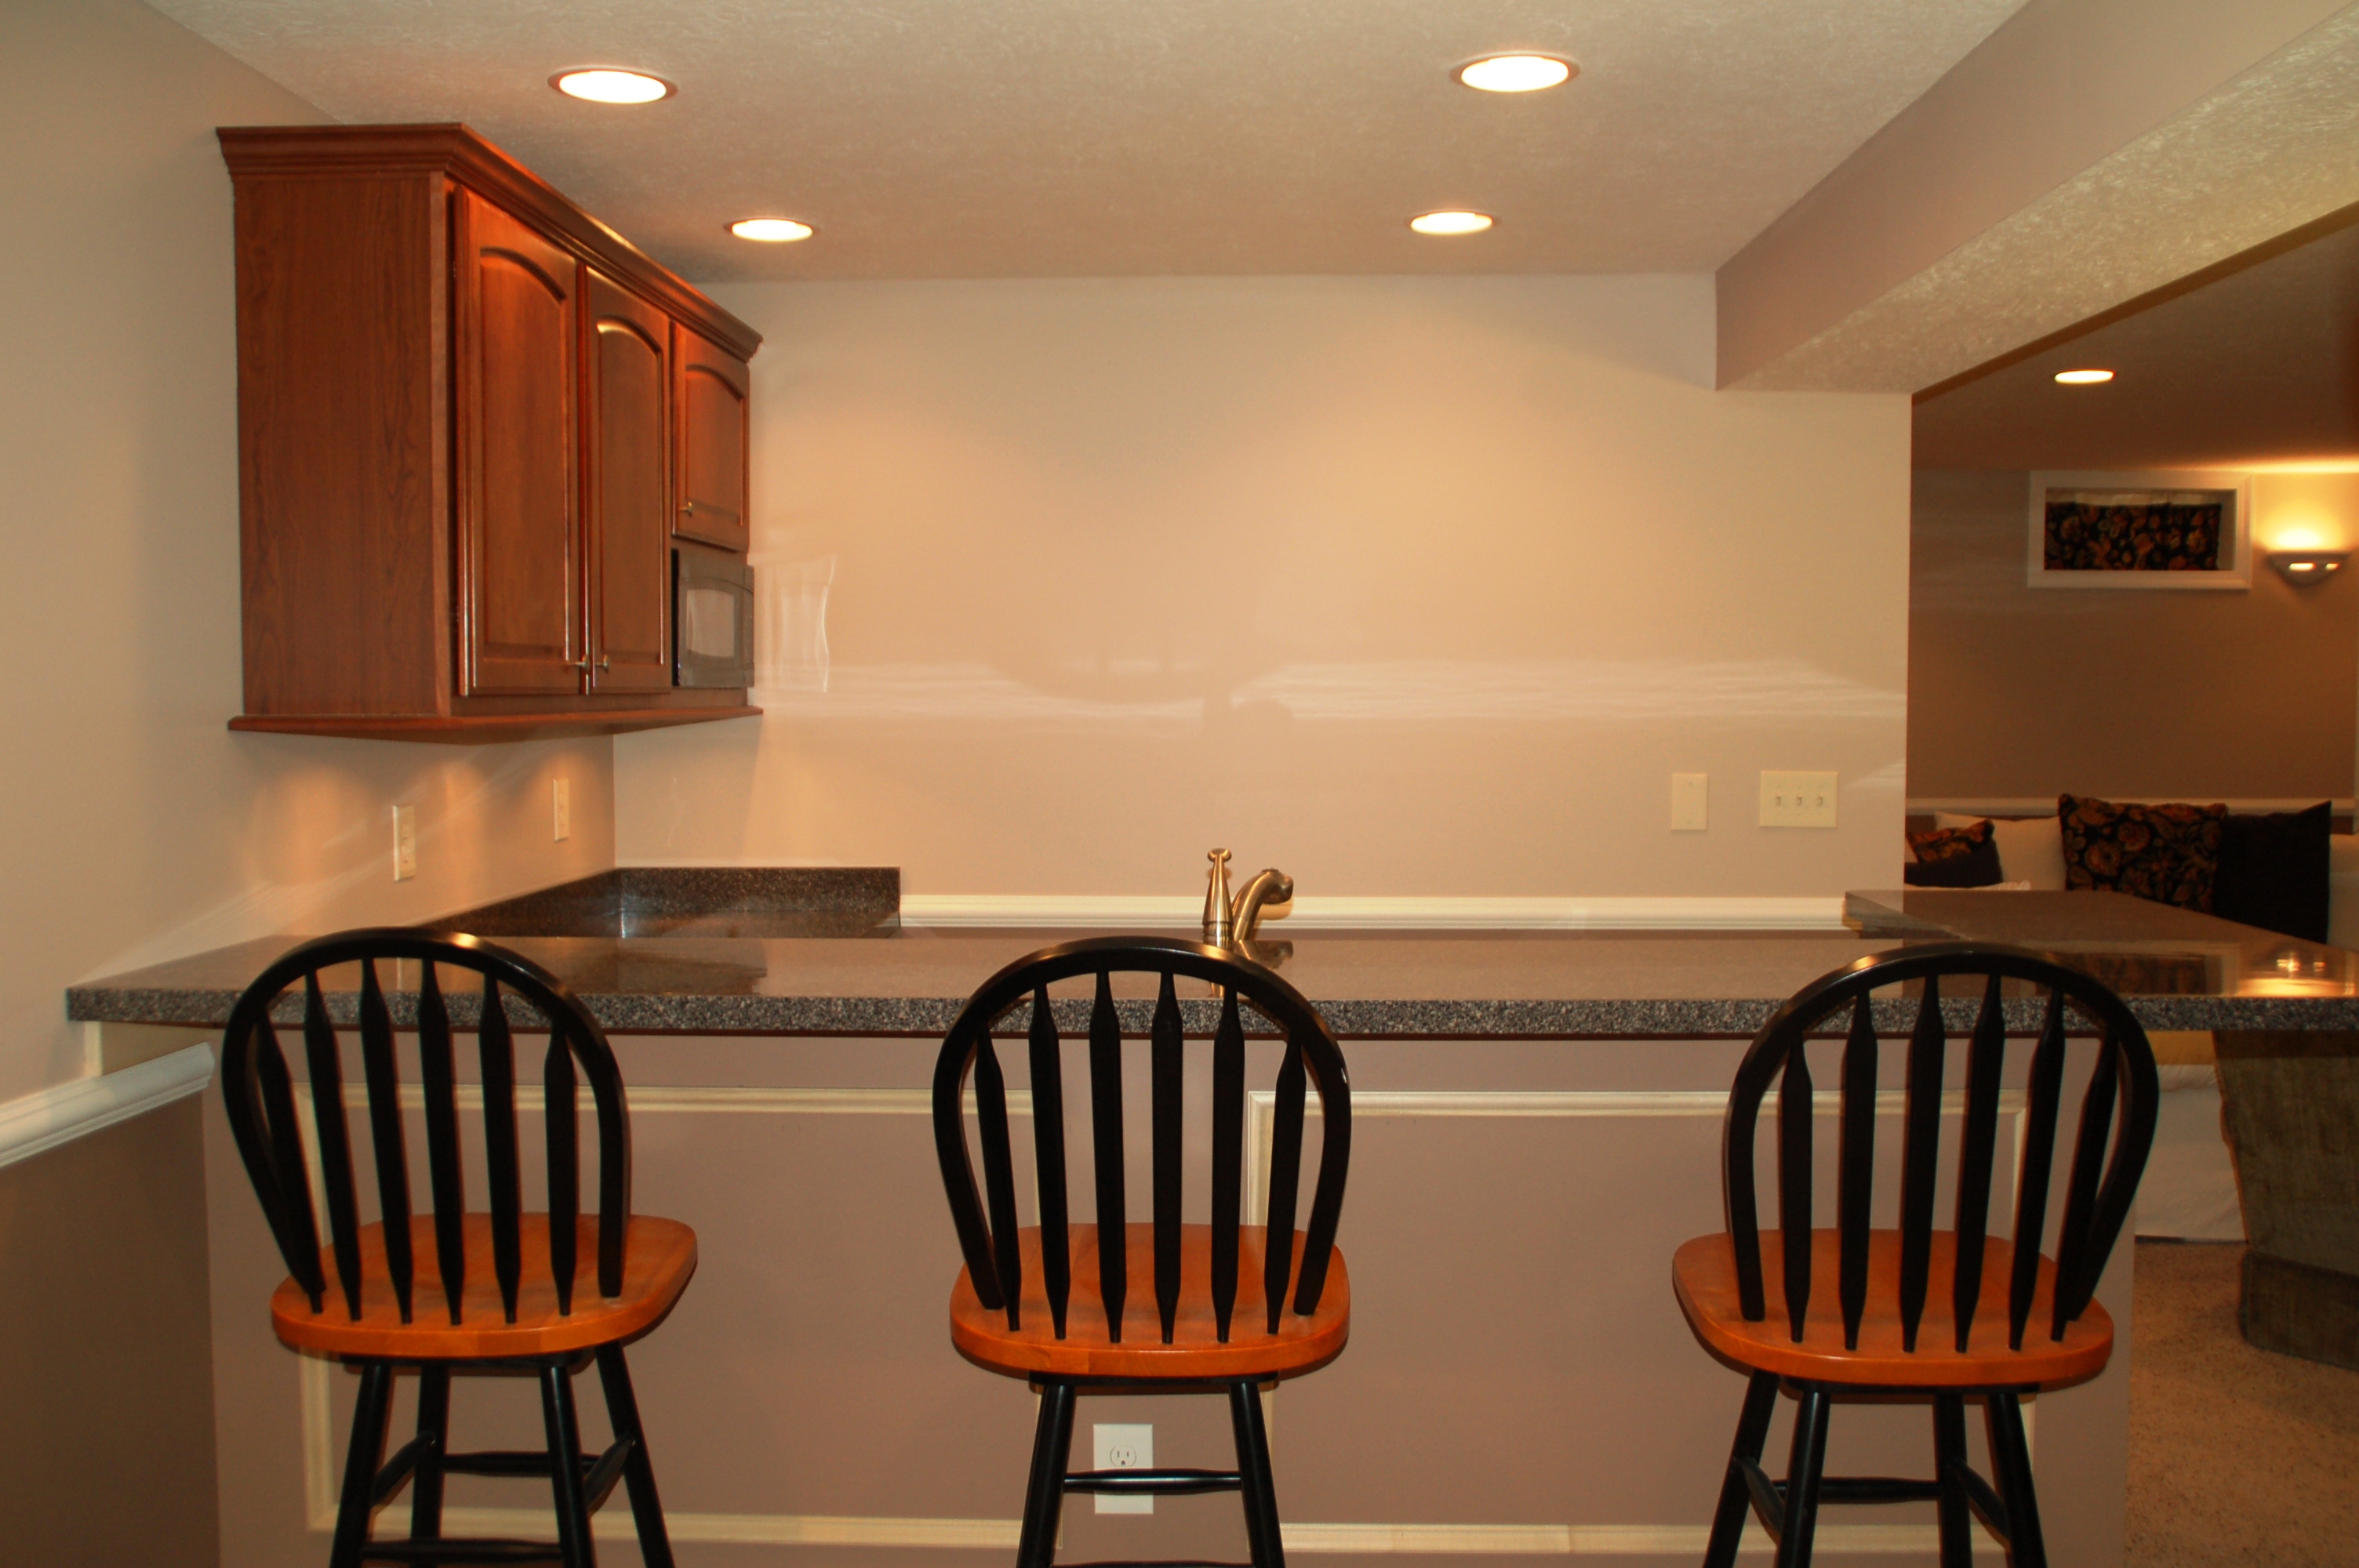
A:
(405, 842)
(1688, 798)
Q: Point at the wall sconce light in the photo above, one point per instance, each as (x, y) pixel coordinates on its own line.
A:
(2303, 567)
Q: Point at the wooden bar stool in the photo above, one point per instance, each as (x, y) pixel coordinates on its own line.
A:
(2016, 1321)
(502, 1291)
(1208, 1311)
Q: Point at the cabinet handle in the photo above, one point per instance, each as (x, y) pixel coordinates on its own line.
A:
(687, 509)
(586, 666)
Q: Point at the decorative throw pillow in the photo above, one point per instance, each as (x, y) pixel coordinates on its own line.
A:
(1952, 858)
(2273, 871)
(2168, 853)
(2030, 849)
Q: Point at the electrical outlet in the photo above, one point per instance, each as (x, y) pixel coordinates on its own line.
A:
(562, 799)
(405, 842)
(1798, 800)
(1124, 1446)
(1687, 797)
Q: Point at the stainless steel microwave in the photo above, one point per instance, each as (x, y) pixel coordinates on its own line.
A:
(711, 618)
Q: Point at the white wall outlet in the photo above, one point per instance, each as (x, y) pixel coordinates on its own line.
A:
(1798, 800)
(560, 794)
(405, 842)
(1123, 1447)
(1688, 798)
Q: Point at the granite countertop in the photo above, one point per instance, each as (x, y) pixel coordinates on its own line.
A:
(2179, 971)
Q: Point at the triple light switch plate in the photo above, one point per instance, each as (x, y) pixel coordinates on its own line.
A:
(1798, 800)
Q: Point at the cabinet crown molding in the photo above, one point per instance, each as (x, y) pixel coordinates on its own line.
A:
(459, 153)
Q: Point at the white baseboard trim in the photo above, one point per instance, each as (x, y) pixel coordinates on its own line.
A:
(1684, 1541)
(744, 1530)
(1350, 914)
(34, 1123)
(2045, 804)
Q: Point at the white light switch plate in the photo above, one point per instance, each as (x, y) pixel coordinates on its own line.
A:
(1687, 800)
(1124, 1446)
(405, 842)
(1798, 800)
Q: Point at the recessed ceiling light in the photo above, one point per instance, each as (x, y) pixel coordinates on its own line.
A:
(2083, 377)
(604, 85)
(1517, 73)
(1451, 223)
(771, 229)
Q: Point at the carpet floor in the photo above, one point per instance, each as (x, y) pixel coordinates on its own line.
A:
(2237, 1456)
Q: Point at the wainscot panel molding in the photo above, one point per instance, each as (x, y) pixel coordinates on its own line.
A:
(320, 1459)
(46, 1118)
(1311, 912)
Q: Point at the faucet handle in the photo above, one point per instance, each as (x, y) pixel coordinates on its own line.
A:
(1219, 926)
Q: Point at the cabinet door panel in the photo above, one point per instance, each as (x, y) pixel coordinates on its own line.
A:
(628, 356)
(518, 525)
(709, 402)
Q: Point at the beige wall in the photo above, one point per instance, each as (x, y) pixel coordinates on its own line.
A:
(2014, 692)
(135, 827)
(1410, 586)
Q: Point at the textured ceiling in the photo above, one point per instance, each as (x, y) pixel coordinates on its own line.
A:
(978, 138)
(2261, 365)
(2266, 153)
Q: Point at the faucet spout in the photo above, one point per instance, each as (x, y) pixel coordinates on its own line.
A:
(1269, 885)
(1220, 929)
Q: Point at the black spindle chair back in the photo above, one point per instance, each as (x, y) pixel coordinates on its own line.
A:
(2116, 1128)
(987, 1219)
(263, 1115)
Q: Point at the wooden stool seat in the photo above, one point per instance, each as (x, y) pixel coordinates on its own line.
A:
(1168, 1286)
(1301, 1343)
(659, 1256)
(1937, 1316)
(347, 1280)
(1703, 1273)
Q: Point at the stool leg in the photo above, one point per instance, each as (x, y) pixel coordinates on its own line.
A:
(434, 1435)
(2011, 1464)
(1735, 1497)
(1260, 1492)
(573, 1542)
(638, 1471)
(1044, 1498)
(1803, 1470)
(1948, 1459)
(361, 1462)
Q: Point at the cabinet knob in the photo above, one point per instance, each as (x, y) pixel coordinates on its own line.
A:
(687, 509)
(585, 665)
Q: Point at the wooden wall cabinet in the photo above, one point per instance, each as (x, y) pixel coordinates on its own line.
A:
(472, 419)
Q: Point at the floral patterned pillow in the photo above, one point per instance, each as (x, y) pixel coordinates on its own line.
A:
(1952, 858)
(1928, 844)
(2168, 853)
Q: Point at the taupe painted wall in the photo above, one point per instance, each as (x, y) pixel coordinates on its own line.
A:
(1412, 586)
(136, 827)
(1519, 1369)
(105, 1374)
(2014, 691)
